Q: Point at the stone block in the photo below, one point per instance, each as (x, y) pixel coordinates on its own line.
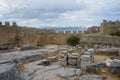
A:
(10, 72)
(53, 59)
(68, 72)
(85, 58)
(78, 63)
(86, 77)
(62, 62)
(63, 58)
(65, 53)
(72, 62)
(84, 64)
(73, 56)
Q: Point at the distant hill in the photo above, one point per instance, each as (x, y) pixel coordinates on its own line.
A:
(76, 28)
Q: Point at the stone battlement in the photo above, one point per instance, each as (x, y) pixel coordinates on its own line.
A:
(69, 32)
(7, 24)
(111, 22)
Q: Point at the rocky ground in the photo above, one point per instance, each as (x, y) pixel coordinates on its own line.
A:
(35, 69)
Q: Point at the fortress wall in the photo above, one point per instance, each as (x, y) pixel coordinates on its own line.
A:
(69, 32)
(7, 35)
(34, 36)
(108, 27)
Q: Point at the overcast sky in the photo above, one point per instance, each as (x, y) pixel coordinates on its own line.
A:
(37, 13)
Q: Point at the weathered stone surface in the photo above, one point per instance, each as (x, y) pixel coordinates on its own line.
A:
(108, 51)
(87, 53)
(91, 50)
(95, 67)
(116, 62)
(115, 66)
(85, 57)
(70, 51)
(64, 53)
(78, 63)
(73, 56)
(53, 59)
(85, 77)
(62, 62)
(70, 59)
(28, 47)
(52, 67)
(68, 72)
(65, 58)
(24, 56)
(44, 62)
(72, 62)
(84, 64)
(9, 72)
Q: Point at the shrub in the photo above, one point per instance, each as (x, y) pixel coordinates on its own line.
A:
(116, 33)
(73, 40)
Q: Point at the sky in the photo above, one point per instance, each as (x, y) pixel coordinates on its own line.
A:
(40, 13)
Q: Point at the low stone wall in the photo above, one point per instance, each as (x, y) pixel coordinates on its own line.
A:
(95, 67)
(109, 52)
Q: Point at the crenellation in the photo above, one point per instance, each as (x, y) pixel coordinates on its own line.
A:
(79, 32)
(110, 21)
(0, 24)
(14, 24)
(69, 32)
(74, 32)
(7, 24)
(104, 21)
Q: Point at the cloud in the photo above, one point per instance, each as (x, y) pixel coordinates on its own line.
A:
(38, 8)
(59, 12)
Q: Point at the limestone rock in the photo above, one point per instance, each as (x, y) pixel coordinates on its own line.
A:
(85, 77)
(9, 72)
(72, 62)
(68, 72)
(28, 47)
(44, 62)
(62, 62)
(53, 59)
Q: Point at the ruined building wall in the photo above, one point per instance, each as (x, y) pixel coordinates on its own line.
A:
(91, 39)
(93, 29)
(103, 38)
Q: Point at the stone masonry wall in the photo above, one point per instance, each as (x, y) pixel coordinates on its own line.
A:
(9, 33)
(108, 27)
